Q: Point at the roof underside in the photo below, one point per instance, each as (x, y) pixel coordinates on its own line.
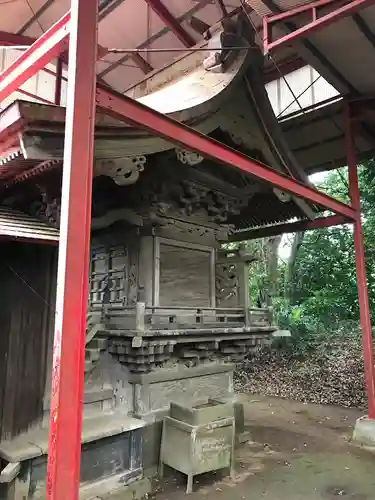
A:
(159, 29)
(342, 52)
(315, 136)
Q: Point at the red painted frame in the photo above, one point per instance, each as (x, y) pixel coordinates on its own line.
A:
(171, 22)
(360, 266)
(72, 289)
(315, 24)
(64, 447)
(49, 45)
(59, 80)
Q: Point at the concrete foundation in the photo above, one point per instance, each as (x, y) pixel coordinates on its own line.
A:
(364, 432)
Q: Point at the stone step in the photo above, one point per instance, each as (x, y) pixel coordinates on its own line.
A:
(99, 343)
(92, 354)
(88, 366)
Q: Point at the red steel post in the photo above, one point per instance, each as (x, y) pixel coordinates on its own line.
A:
(64, 452)
(360, 263)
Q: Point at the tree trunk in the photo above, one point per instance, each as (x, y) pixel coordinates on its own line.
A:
(272, 266)
(289, 284)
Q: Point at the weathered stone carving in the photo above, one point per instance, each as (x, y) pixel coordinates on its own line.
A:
(226, 283)
(156, 353)
(47, 208)
(188, 157)
(191, 199)
(124, 171)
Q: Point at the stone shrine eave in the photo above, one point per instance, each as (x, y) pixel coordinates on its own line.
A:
(232, 101)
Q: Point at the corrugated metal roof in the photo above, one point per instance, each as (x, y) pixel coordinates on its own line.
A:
(13, 163)
(18, 225)
(317, 137)
(261, 8)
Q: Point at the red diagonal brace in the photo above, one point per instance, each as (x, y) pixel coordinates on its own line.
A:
(49, 45)
(142, 63)
(126, 109)
(171, 22)
(317, 22)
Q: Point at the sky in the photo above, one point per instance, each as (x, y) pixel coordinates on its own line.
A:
(285, 245)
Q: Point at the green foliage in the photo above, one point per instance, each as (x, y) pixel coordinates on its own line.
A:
(324, 299)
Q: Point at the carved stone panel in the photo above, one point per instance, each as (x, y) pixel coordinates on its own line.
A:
(185, 276)
(113, 277)
(226, 282)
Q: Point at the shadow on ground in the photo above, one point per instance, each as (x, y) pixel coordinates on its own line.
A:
(296, 452)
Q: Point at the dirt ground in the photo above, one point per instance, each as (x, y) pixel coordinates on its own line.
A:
(297, 452)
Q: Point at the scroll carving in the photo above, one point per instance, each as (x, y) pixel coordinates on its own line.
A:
(123, 171)
(188, 157)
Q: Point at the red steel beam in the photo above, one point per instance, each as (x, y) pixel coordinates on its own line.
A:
(171, 22)
(290, 227)
(128, 110)
(10, 39)
(58, 82)
(49, 45)
(34, 96)
(284, 67)
(142, 63)
(360, 262)
(64, 448)
(316, 23)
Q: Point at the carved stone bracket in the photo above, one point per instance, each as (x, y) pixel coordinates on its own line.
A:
(47, 208)
(282, 195)
(124, 171)
(154, 354)
(189, 199)
(188, 157)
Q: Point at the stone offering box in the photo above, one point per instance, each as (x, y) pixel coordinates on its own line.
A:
(198, 439)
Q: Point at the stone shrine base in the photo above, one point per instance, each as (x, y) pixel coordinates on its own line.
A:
(120, 453)
(153, 393)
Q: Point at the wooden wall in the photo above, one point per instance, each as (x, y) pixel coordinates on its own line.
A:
(185, 277)
(27, 283)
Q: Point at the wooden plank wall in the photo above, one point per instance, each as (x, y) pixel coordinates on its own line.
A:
(27, 283)
(184, 277)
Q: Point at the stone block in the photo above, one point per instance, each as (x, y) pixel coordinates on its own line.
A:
(184, 386)
(364, 432)
(239, 417)
(151, 439)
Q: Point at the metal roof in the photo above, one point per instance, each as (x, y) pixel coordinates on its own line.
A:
(343, 53)
(20, 226)
(317, 137)
(152, 25)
